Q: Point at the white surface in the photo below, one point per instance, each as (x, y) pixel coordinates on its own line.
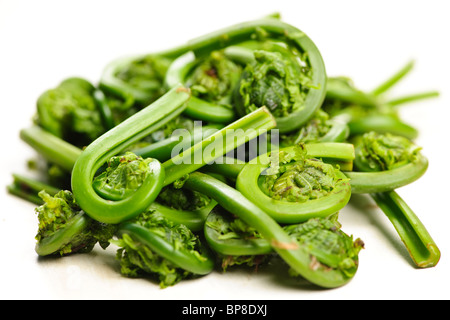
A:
(42, 42)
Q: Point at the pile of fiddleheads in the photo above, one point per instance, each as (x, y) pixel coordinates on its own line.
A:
(234, 148)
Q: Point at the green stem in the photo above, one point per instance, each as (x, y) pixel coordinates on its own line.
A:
(110, 83)
(104, 110)
(248, 182)
(395, 78)
(227, 167)
(340, 89)
(236, 245)
(279, 31)
(218, 144)
(28, 188)
(63, 236)
(421, 247)
(330, 152)
(412, 98)
(184, 259)
(382, 123)
(296, 257)
(197, 108)
(51, 147)
(388, 180)
(194, 220)
(66, 155)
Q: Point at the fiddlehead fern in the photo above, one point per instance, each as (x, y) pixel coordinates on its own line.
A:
(305, 59)
(380, 152)
(292, 186)
(328, 244)
(233, 240)
(237, 242)
(211, 80)
(137, 80)
(71, 111)
(111, 143)
(122, 177)
(276, 82)
(65, 229)
(385, 163)
(296, 254)
(126, 173)
(320, 128)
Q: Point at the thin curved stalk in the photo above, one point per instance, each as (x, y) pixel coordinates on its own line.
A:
(194, 220)
(197, 108)
(218, 144)
(412, 98)
(382, 181)
(235, 244)
(181, 258)
(162, 150)
(395, 78)
(51, 147)
(63, 236)
(421, 247)
(104, 110)
(382, 123)
(330, 152)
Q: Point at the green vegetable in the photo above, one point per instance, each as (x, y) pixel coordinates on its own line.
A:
(221, 142)
(122, 177)
(386, 162)
(399, 163)
(192, 219)
(328, 243)
(231, 236)
(320, 128)
(293, 187)
(126, 173)
(137, 80)
(380, 152)
(152, 244)
(214, 78)
(28, 188)
(181, 138)
(52, 148)
(297, 255)
(235, 242)
(211, 80)
(300, 47)
(280, 150)
(115, 140)
(218, 144)
(64, 228)
(70, 111)
(420, 245)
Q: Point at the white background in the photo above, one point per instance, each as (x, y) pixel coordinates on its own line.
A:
(42, 42)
